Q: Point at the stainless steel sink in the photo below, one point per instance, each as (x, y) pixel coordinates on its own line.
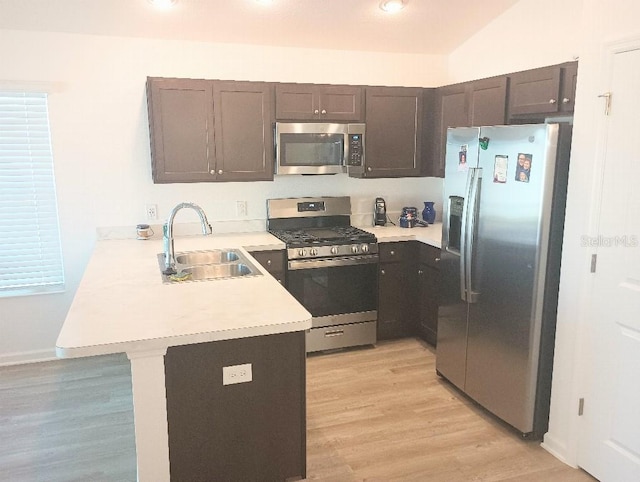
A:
(209, 265)
(216, 256)
(209, 271)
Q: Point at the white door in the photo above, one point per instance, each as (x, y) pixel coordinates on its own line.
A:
(610, 442)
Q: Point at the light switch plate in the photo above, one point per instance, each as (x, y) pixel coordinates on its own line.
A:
(236, 374)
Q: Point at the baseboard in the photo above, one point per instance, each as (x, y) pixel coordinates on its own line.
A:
(557, 449)
(33, 356)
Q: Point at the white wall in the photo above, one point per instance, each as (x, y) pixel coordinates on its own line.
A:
(532, 33)
(101, 143)
(562, 30)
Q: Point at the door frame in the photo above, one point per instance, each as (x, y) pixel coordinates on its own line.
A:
(563, 440)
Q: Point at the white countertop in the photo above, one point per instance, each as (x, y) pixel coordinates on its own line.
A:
(431, 234)
(122, 304)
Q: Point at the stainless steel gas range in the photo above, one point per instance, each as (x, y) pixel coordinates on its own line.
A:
(332, 268)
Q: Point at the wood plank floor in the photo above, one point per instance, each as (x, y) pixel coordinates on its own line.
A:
(372, 414)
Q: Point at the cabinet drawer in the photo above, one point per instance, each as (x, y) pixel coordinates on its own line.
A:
(341, 336)
(392, 252)
(429, 255)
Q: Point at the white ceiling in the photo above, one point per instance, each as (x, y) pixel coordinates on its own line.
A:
(424, 26)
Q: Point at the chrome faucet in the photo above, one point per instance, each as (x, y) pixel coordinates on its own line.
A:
(169, 253)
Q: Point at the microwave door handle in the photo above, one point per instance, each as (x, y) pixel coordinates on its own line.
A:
(345, 149)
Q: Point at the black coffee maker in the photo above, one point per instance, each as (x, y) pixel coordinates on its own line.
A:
(380, 212)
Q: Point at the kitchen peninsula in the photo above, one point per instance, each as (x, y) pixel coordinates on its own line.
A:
(173, 333)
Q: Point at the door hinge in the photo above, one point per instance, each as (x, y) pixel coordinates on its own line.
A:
(594, 260)
(580, 407)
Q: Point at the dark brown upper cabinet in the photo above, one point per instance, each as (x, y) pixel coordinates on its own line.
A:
(477, 103)
(243, 131)
(210, 130)
(393, 139)
(543, 91)
(317, 102)
(451, 111)
(568, 87)
(487, 101)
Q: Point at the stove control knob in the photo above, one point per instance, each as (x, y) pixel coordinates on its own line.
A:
(334, 250)
(365, 248)
(313, 252)
(354, 249)
(301, 252)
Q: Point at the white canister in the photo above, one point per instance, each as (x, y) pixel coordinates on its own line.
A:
(144, 231)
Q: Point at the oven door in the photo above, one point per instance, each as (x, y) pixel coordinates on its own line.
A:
(336, 290)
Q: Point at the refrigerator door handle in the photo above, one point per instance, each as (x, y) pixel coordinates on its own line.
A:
(472, 216)
(464, 234)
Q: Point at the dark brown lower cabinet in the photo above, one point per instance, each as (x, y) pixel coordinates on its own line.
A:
(428, 285)
(396, 285)
(408, 286)
(249, 431)
(274, 261)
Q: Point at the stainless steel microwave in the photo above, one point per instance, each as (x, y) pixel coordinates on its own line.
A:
(319, 148)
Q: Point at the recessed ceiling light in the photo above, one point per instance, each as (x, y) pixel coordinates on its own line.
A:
(392, 6)
(163, 3)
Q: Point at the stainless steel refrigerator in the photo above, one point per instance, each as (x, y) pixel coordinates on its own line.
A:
(503, 216)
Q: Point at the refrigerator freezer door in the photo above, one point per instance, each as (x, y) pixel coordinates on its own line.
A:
(461, 158)
(508, 268)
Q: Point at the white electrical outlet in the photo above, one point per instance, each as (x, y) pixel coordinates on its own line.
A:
(236, 374)
(241, 208)
(152, 211)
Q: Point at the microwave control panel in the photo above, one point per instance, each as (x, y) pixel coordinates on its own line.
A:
(356, 150)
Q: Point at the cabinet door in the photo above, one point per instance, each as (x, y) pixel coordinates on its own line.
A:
(396, 290)
(569, 81)
(180, 127)
(243, 130)
(322, 103)
(428, 286)
(296, 102)
(340, 103)
(452, 111)
(274, 262)
(393, 140)
(488, 101)
(535, 91)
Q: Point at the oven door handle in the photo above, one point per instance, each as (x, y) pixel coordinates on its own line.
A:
(333, 262)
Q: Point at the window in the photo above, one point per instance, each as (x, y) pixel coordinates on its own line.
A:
(30, 254)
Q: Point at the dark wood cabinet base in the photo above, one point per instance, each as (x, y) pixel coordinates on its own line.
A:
(246, 431)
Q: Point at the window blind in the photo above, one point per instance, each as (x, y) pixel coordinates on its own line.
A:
(30, 252)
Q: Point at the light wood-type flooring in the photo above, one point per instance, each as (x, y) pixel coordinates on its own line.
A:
(375, 414)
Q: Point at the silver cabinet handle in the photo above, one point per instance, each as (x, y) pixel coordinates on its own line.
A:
(392, 252)
(437, 260)
(213, 171)
(268, 262)
(369, 169)
(316, 111)
(552, 101)
(323, 111)
(382, 272)
(565, 100)
(420, 272)
(220, 171)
